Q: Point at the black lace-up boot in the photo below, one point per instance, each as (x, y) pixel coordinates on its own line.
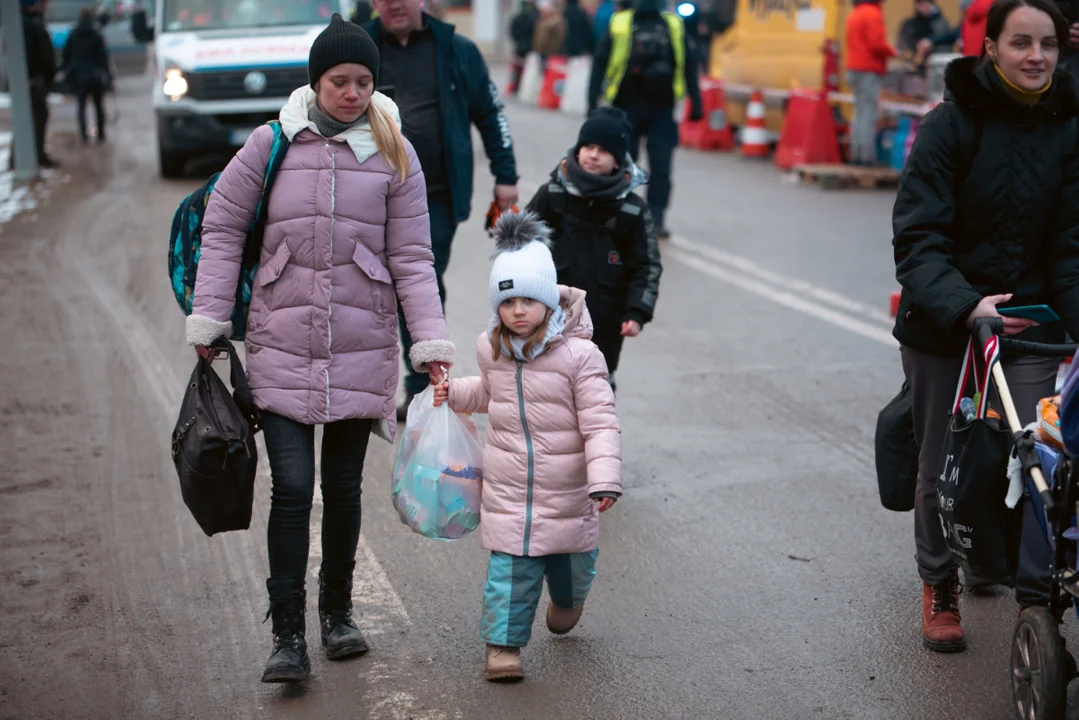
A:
(288, 662)
(340, 636)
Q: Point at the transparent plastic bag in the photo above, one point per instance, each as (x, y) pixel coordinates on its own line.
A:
(438, 471)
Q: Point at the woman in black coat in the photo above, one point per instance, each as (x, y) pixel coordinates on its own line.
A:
(987, 214)
(86, 62)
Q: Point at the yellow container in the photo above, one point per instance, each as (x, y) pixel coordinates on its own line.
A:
(778, 45)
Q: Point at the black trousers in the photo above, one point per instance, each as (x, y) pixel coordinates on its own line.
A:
(91, 90)
(291, 450)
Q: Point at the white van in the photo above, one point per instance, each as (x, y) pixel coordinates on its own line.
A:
(224, 67)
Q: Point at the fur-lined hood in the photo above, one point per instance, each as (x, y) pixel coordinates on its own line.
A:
(974, 84)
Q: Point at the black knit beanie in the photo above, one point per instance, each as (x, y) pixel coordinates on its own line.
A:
(609, 128)
(341, 42)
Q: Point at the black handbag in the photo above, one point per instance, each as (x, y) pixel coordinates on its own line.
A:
(213, 446)
(896, 452)
(982, 533)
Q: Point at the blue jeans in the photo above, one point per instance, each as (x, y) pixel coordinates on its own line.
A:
(443, 228)
(515, 583)
(291, 450)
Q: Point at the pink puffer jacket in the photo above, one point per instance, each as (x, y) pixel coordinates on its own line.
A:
(341, 232)
(553, 439)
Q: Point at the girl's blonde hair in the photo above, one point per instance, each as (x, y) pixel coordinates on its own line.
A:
(388, 139)
(501, 334)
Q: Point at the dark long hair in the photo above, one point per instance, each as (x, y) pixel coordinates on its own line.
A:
(1001, 10)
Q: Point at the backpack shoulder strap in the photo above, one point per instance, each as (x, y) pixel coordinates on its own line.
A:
(629, 214)
(556, 205)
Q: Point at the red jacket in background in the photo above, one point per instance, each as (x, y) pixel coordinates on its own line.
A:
(973, 29)
(868, 48)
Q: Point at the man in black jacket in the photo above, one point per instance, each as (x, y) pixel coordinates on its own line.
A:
(442, 87)
(86, 62)
(644, 65)
(604, 240)
(41, 67)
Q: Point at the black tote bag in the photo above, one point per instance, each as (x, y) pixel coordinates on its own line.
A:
(982, 533)
(213, 447)
(896, 452)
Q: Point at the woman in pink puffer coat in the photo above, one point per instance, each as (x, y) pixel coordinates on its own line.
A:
(552, 460)
(347, 230)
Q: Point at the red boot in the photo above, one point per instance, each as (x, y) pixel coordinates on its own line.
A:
(941, 631)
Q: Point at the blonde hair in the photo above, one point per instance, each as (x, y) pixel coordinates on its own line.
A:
(388, 139)
(502, 334)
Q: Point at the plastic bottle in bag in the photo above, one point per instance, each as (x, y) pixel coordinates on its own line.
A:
(438, 471)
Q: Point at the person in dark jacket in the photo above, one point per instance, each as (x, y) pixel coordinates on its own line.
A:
(442, 87)
(645, 65)
(987, 214)
(603, 235)
(578, 40)
(362, 12)
(522, 30)
(41, 68)
(86, 62)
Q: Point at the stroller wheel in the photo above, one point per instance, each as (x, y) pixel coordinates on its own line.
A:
(1039, 666)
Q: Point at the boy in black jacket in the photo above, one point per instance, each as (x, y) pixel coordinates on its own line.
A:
(604, 240)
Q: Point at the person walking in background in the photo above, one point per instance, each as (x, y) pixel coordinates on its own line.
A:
(601, 20)
(579, 39)
(86, 64)
(347, 218)
(550, 35)
(552, 460)
(41, 68)
(987, 215)
(441, 84)
(645, 65)
(603, 237)
(868, 52)
(362, 12)
(972, 30)
(522, 31)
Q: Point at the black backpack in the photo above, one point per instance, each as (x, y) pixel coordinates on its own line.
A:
(213, 446)
(651, 54)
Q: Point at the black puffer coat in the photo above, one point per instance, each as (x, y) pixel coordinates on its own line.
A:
(988, 204)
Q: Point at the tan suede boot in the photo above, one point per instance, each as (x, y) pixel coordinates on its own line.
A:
(561, 620)
(504, 664)
(941, 629)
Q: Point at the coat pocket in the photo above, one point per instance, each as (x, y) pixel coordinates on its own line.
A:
(272, 268)
(382, 294)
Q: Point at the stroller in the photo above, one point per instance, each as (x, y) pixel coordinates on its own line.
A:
(1041, 666)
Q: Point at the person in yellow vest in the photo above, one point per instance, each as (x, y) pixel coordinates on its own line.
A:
(645, 66)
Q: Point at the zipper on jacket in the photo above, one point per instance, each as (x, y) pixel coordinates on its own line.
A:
(531, 456)
(329, 296)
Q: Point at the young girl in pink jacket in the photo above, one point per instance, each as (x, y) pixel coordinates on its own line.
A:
(553, 455)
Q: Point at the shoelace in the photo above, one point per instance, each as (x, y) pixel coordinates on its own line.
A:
(946, 597)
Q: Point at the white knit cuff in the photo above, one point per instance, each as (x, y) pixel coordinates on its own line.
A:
(431, 351)
(202, 330)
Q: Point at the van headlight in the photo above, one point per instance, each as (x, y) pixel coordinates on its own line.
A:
(175, 85)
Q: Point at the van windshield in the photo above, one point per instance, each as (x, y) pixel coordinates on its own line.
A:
(185, 15)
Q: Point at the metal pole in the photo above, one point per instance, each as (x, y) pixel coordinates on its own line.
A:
(22, 120)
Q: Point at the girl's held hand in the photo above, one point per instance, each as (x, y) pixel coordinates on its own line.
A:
(442, 393)
(205, 353)
(439, 372)
(987, 307)
(606, 503)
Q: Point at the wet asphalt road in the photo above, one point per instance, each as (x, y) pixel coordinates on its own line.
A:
(748, 572)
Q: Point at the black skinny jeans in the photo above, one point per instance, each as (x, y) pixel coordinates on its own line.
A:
(291, 449)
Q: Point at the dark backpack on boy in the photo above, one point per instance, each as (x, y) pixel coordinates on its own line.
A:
(185, 240)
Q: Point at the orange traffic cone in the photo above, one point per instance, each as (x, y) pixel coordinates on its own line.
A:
(894, 302)
(754, 134)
